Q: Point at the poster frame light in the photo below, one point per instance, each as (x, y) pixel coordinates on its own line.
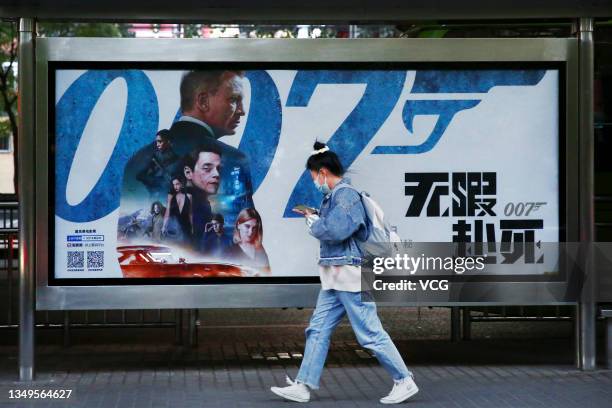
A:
(296, 293)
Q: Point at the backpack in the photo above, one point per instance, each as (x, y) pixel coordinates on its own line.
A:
(382, 239)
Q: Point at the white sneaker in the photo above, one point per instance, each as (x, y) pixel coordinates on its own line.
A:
(297, 392)
(401, 391)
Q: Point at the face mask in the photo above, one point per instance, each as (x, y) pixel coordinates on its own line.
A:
(322, 188)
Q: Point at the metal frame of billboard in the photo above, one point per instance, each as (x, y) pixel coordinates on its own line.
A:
(320, 11)
(564, 50)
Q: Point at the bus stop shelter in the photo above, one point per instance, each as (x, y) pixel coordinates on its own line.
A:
(320, 12)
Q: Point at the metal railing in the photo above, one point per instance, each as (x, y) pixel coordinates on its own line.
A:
(177, 319)
(490, 314)
(9, 217)
(601, 225)
(520, 313)
(65, 320)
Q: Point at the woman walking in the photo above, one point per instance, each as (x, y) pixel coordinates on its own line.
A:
(340, 221)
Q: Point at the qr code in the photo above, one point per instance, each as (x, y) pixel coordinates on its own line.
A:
(76, 259)
(95, 259)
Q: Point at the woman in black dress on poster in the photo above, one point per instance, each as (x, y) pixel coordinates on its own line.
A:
(178, 220)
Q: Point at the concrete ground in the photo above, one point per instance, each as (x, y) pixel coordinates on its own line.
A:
(240, 354)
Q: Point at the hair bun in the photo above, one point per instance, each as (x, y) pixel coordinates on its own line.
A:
(318, 145)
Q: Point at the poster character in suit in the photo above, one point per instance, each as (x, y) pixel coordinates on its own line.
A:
(211, 104)
(203, 165)
(215, 241)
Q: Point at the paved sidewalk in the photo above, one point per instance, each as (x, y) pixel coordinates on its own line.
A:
(240, 374)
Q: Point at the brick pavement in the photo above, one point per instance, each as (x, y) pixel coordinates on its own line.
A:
(471, 374)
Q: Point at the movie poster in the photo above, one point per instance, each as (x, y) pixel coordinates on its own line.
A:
(194, 173)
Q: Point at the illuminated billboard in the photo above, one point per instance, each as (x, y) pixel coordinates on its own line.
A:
(191, 170)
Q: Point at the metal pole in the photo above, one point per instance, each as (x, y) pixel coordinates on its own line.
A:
(455, 323)
(196, 327)
(192, 329)
(609, 343)
(11, 239)
(178, 328)
(66, 328)
(467, 324)
(587, 310)
(576, 329)
(26, 165)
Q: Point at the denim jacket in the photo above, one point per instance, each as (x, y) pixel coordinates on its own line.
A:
(342, 220)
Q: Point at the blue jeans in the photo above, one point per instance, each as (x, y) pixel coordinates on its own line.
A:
(331, 307)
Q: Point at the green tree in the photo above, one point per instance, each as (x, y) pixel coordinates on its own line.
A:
(82, 30)
(191, 30)
(8, 88)
(8, 64)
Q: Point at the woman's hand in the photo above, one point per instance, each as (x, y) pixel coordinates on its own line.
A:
(311, 219)
(305, 212)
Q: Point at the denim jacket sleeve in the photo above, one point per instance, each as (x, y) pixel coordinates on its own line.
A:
(344, 218)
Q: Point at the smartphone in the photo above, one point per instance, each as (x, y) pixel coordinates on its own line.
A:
(304, 208)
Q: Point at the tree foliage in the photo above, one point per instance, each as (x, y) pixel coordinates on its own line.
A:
(82, 30)
(8, 66)
(8, 88)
